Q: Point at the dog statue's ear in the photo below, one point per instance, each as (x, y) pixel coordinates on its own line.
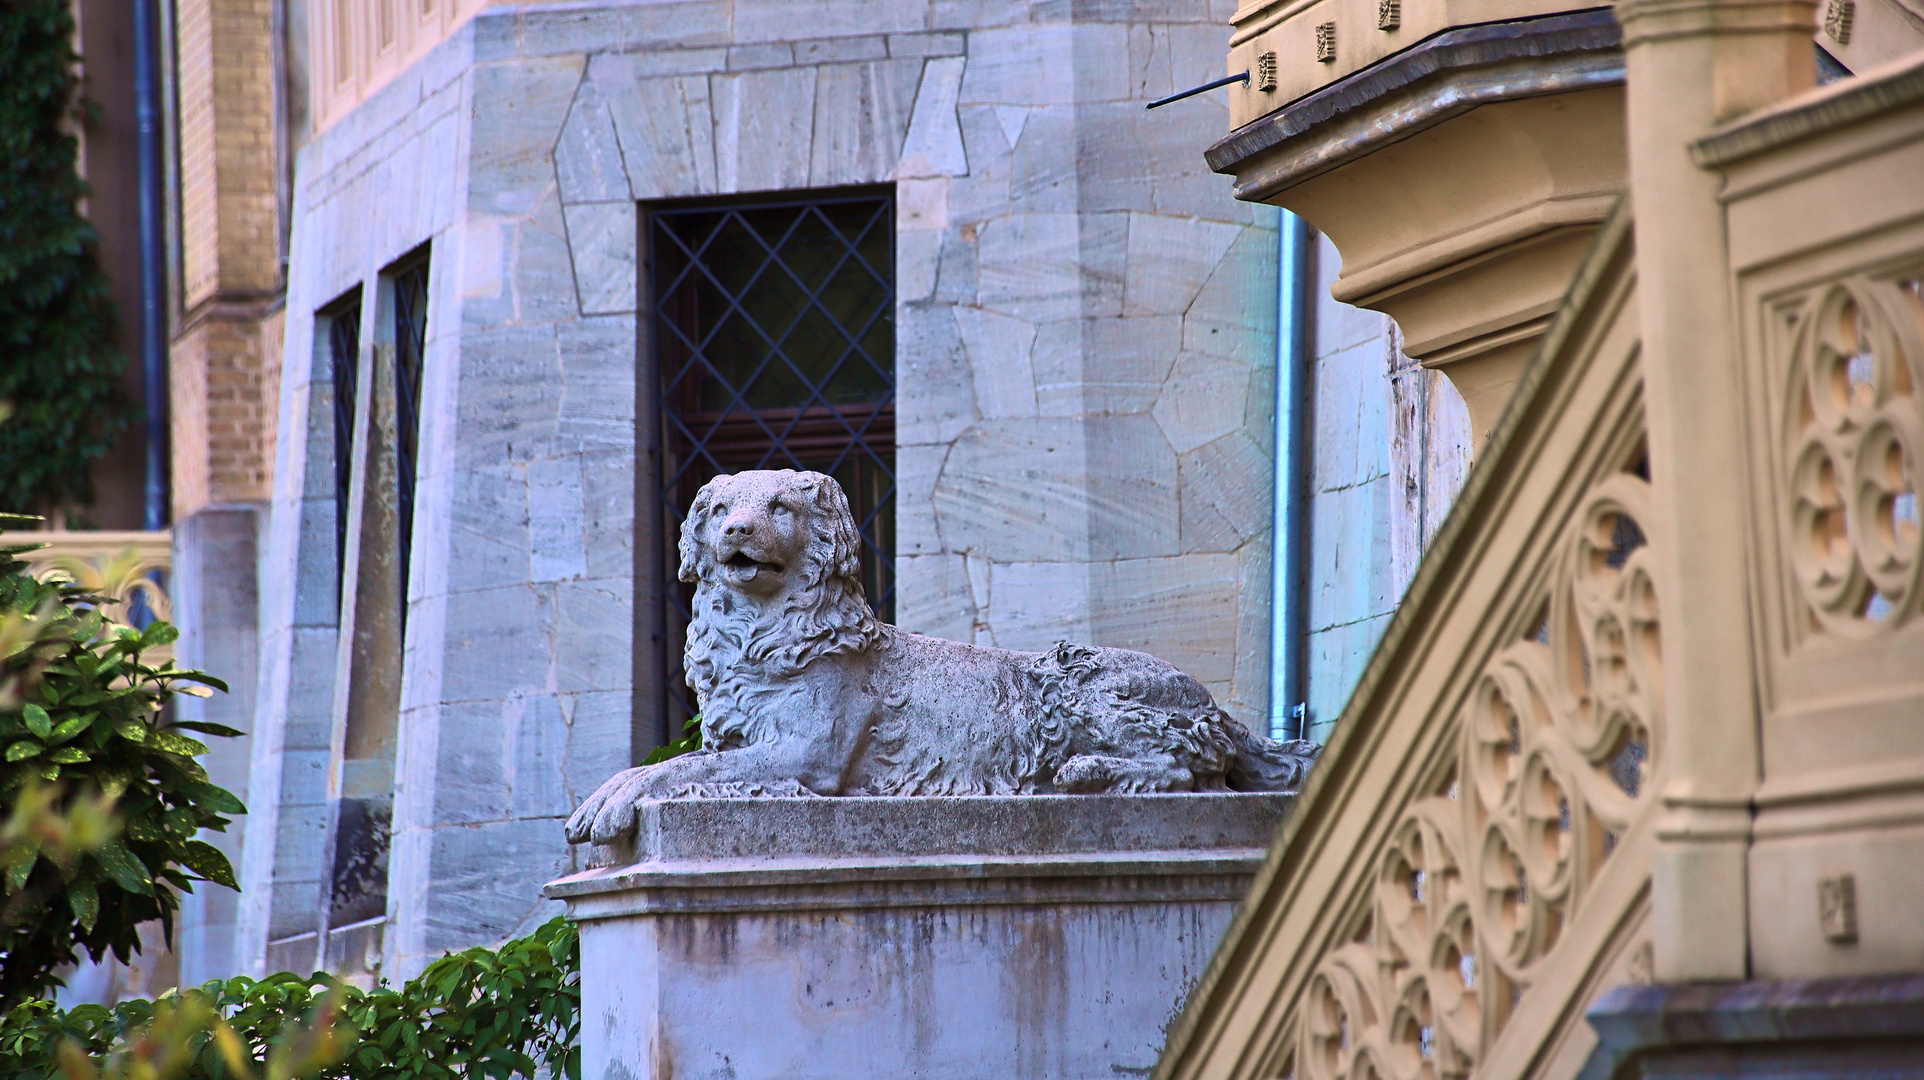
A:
(690, 567)
(832, 514)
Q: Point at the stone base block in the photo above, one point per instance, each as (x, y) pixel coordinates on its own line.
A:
(1024, 937)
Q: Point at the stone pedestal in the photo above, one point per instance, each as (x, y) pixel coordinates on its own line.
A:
(1030, 936)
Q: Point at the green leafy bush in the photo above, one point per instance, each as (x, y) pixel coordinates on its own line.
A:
(61, 372)
(492, 1013)
(81, 712)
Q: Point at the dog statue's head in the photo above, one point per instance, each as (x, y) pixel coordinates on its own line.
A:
(770, 532)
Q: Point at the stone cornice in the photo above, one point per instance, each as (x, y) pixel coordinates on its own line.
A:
(1829, 107)
(1416, 89)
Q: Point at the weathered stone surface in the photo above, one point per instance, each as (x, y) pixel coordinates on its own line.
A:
(1017, 489)
(587, 160)
(1203, 400)
(933, 145)
(601, 237)
(862, 115)
(764, 128)
(998, 351)
(666, 127)
(1222, 504)
(1169, 259)
(896, 937)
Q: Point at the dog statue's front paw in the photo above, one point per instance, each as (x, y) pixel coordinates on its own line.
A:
(609, 814)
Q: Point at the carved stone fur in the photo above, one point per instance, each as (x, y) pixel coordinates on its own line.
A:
(804, 692)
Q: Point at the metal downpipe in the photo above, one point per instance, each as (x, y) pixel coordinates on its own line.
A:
(153, 275)
(1289, 709)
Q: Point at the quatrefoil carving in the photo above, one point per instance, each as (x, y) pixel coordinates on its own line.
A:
(1482, 874)
(1853, 429)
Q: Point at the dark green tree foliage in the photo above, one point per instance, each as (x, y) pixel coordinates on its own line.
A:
(85, 712)
(59, 371)
(493, 1013)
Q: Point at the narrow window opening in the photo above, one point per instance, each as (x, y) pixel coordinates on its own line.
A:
(774, 344)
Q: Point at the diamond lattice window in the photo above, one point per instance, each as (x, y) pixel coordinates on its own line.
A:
(775, 338)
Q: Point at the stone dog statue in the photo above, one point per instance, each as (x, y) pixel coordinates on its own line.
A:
(804, 692)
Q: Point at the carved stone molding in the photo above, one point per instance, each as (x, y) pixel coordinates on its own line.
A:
(1552, 755)
(130, 567)
(1516, 131)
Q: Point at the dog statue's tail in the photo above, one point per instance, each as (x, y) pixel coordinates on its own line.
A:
(1261, 764)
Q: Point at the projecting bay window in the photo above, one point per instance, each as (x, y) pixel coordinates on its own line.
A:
(771, 330)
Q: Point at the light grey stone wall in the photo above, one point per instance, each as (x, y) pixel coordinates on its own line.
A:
(217, 607)
(1391, 447)
(1084, 354)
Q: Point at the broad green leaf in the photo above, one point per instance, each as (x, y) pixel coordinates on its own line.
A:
(37, 720)
(159, 633)
(67, 729)
(206, 860)
(127, 871)
(209, 728)
(23, 749)
(182, 820)
(69, 755)
(202, 677)
(18, 863)
(84, 899)
(177, 744)
(210, 797)
(131, 729)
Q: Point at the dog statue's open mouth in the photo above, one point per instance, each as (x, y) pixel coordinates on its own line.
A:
(746, 566)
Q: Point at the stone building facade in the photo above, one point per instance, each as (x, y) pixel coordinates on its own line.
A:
(1084, 326)
(1084, 356)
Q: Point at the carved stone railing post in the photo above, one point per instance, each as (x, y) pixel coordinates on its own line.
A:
(1691, 64)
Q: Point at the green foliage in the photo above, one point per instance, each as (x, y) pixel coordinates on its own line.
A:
(480, 1013)
(59, 371)
(80, 710)
(689, 742)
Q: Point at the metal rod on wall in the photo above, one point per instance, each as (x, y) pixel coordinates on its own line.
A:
(1289, 709)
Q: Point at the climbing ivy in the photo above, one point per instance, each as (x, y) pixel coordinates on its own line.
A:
(59, 371)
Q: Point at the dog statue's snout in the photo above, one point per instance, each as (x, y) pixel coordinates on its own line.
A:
(737, 526)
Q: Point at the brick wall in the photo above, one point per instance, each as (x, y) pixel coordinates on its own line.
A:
(226, 350)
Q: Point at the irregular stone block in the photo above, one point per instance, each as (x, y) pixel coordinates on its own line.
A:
(1204, 399)
(587, 160)
(862, 114)
(1169, 259)
(998, 351)
(933, 145)
(666, 126)
(764, 129)
(1227, 489)
(1017, 490)
(932, 596)
(601, 237)
(1172, 608)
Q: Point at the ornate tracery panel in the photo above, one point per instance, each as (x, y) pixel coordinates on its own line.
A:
(1852, 430)
(1548, 762)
